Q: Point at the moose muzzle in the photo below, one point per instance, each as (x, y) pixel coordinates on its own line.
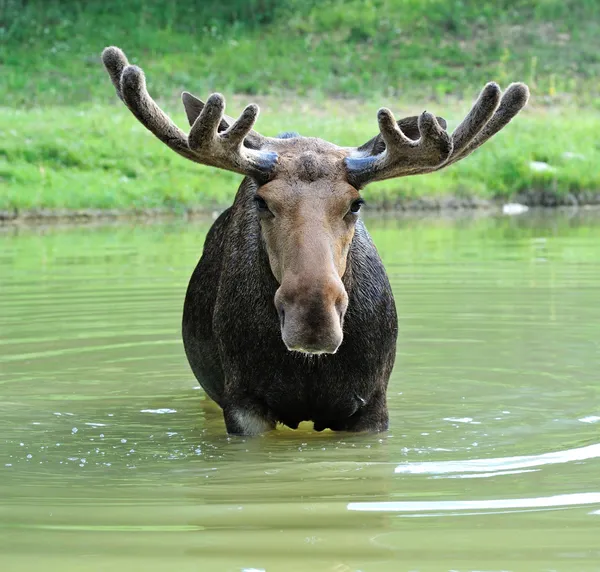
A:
(311, 314)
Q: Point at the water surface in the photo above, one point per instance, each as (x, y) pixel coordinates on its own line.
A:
(112, 459)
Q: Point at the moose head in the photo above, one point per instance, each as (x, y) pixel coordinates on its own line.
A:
(306, 191)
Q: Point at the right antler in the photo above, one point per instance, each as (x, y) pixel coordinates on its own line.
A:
(212, 140)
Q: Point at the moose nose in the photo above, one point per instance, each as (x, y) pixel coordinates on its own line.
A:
(311, 314)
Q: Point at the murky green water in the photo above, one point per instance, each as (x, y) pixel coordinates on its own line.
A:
(111, 459)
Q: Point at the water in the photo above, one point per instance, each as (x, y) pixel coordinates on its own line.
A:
(112, 459)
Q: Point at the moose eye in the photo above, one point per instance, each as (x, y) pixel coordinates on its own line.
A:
(355, 206)
(261, 204)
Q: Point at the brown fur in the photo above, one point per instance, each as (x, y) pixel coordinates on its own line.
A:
(307, 231)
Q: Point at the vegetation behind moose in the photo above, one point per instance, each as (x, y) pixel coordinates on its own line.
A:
(289, 315)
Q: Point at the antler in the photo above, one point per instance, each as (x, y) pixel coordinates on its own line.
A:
(212, 140)
(434, 148)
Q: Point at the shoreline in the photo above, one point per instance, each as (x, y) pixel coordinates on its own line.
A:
(430, 205)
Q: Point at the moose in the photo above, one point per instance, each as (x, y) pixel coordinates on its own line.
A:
(289, 315)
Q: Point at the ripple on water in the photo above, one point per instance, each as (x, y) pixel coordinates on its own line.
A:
(502, 463)
(435, 507)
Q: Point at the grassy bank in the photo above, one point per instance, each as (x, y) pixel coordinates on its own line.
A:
(320, 68)
(101, 157)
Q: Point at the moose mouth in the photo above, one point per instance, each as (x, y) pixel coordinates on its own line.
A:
(319, 342)
(312, 329)
(311, 351)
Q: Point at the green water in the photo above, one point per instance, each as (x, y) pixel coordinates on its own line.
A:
(111, 458)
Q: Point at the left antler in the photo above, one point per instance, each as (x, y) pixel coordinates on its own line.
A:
(434, 148)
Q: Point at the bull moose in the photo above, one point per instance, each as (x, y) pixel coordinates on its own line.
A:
(289, 315)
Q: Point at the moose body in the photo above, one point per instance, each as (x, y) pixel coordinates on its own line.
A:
(232, 335)
(289, 315)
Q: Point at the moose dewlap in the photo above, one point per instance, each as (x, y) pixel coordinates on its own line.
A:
(289, 315)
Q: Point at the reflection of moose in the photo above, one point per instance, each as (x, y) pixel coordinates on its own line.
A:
(289, 315)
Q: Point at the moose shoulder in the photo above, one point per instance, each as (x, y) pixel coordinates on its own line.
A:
(289, 315)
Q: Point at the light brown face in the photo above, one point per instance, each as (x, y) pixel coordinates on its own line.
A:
(307, 215)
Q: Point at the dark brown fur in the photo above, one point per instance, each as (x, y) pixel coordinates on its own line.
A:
(233, 341)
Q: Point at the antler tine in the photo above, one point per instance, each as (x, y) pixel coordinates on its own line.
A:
(226, 149)
(211, 120)
(205, 127)
(514, 99)
(115, 62)
(130, 84)
(138, 100)
(476, 119)
(194, 106)
(205, 144)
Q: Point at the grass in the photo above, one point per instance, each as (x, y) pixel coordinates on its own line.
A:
(101, 157)
(318, 67)
(351, 48)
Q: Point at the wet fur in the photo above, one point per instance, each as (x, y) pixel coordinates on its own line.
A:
(232, 335)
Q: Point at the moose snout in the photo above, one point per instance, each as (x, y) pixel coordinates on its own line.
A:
(311, 314)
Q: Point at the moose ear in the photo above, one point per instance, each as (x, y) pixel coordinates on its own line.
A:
(410, 128)
(193, 106)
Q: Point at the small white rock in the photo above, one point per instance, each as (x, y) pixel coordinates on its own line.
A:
(514, 208)
(540, 166)
(571, 155)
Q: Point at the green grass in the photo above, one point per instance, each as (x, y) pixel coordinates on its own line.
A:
(319, 67)
(101, 157)
(410, 48)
